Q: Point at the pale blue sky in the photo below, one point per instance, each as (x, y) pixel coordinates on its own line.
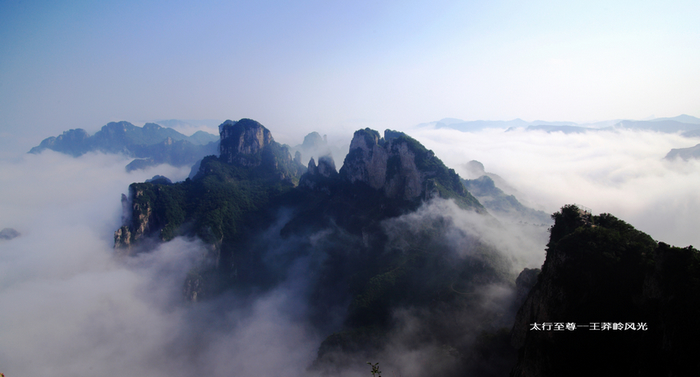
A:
(315, 65)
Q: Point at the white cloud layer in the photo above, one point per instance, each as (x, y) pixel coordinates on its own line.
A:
(69, 308)
(622, 173)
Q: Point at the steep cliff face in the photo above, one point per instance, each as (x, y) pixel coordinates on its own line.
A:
(241, 141)
(137, 217)
(632, 304)
(401, 168)
(248, 144)
(251, 170)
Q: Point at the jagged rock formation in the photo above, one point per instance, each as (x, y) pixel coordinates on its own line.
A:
(396, 166)
(150, 144)
(248, 155)
(638, 300)
(401, 168)
(375, 239)
(137, 215)
(241, 141)
(249, 144)
(325, 168)
(316, 146)
(322, 176)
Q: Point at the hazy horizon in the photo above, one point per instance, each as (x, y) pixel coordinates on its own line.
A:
(312, 66)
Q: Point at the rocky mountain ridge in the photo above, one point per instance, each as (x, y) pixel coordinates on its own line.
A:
(503, 206)
(684, 153)
(396, 165)
(401, 168)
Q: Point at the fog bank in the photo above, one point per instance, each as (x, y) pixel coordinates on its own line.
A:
(621, 172)
(70, 308)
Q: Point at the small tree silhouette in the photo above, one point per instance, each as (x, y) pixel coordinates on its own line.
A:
(375, 369)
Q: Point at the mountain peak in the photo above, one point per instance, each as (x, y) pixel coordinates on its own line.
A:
(314, 140)
(401, 167)
(122, 126)
(242, 139)
(71, 142)
(151, 127)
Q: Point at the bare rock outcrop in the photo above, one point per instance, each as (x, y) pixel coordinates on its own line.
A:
(242, 141)
(137, 220)
(399, 166)
(320, 176)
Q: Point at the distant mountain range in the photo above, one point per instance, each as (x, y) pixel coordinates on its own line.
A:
(151, 144)
(155, 144)
(688, 125)
(684, 153)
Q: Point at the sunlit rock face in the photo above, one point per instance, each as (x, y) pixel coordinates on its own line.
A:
(137, 220)
(395, 164)
(242, 140)
(367, 159)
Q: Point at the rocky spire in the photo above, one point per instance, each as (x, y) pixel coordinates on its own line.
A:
(320, 176)
(387, 164)
(242, 140)
(401, 168)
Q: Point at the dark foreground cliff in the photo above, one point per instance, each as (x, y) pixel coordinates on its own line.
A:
(610, 301)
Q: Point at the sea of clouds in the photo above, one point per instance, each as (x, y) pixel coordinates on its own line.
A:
(620, 172)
